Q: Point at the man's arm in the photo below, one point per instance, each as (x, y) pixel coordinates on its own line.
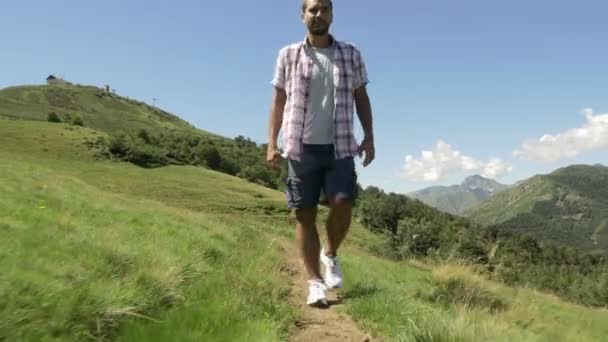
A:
(279, 98)
(364, 111)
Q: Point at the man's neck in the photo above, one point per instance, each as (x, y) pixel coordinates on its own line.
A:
(318, 41)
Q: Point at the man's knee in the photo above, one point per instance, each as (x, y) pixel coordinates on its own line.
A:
(306, 216)
(341, 203)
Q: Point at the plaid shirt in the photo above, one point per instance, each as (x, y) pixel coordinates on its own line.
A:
(293, 73)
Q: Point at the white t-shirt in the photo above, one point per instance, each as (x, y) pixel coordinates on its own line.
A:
(319, 121)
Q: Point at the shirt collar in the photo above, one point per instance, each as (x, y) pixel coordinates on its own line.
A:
(332, 42)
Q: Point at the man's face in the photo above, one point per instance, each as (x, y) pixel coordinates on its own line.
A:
(318, 16)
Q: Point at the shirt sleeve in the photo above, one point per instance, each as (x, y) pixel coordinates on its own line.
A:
(360, 70)
(278, 79)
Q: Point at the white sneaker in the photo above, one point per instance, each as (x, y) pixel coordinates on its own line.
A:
(316, 294)
(333, 271)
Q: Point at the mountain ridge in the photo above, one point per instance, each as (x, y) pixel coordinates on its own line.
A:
(455, 199)
(567, 205)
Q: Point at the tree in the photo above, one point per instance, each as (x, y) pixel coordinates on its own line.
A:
(380, 213)
(472, 249)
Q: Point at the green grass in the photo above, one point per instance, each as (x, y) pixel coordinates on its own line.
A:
(101, 250)
(103, 111)
(77, 261)
(413, 302)
(81, 261)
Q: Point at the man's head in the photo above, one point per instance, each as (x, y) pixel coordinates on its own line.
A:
(317, 15)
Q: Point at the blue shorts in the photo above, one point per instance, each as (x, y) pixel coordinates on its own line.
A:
(318, 173)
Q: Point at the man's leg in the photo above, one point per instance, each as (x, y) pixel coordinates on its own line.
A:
(304, 184)
(337, 226)
(338, 223)
(303, 187)
(307, 240)
(341, 184)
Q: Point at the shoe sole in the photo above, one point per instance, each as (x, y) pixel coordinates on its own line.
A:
(319, 304)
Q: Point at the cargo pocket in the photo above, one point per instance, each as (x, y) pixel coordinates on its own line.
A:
(355, 190)
(293, 193)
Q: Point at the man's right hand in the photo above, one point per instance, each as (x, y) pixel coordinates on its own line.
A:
(273, 158)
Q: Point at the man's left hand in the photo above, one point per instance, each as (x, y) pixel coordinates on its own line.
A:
(367, 146)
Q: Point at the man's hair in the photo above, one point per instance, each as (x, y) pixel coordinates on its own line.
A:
(331, 5)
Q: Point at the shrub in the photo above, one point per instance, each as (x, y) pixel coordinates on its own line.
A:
(209, 155)
(117, 145)
(77, 121)
(146, 155)
(258, 174)
(229, 166)
(458, 291)
(144, 135)
(53, 117)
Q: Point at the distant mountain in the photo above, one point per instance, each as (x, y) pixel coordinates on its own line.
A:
(457, 198)
(569, 206)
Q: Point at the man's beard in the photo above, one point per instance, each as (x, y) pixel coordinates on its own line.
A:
(319, 30)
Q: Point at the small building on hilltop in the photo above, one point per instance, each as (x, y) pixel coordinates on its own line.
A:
(52, 79)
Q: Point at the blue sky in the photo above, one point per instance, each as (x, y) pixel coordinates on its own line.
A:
(476, 77)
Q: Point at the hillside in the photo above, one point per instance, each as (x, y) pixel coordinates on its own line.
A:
(569, 206)
(137, 132)
(102, 250)
(98, 109)
(97, 248)
(456, 199)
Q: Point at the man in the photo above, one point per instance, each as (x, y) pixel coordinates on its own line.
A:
(317, 83)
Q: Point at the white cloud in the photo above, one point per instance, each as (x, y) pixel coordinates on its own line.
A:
(548, 148)
(444, 160)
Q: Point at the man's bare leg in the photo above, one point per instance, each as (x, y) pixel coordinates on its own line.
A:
(307, 240)
(338, 223)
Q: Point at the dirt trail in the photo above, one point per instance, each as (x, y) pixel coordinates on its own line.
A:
(317, 324)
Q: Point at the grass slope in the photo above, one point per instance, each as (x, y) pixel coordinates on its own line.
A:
(410, 302)
(79, 259)
(103, 250)
(102, 111)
